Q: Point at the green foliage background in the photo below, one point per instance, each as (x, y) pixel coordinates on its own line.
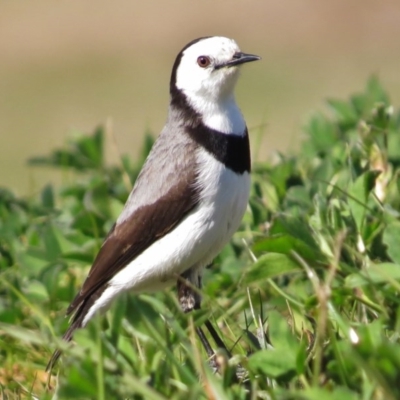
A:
(306, 294)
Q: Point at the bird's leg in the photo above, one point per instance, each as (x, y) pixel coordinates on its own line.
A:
(190, 299)
(218, 341)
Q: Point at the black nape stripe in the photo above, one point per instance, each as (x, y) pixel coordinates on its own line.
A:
(231, 150)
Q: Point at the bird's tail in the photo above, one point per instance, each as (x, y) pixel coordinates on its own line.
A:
(76, 324)
(79, 310)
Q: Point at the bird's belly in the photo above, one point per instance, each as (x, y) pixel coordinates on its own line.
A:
(225, 196)
(199, 237)
(225, 213)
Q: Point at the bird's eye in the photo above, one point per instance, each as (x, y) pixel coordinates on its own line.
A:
(203, 61)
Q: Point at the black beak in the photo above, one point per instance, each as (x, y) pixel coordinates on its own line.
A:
(237, 59)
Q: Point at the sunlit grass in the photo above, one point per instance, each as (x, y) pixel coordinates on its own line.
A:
(305, 296)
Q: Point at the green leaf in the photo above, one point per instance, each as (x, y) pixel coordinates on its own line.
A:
(344, 111)
(270, 265)
(36, 291)
(375, 90)
(298, 195)
(301, 358)
(358, 193)
(48, 197)
(24, 335)
(285, 244)
(391, 238)
(297, 228)
(96, 200)
(338, 393)
(83, 153)
(53, 249)
(322, 133)
(274, 363)
(375, 274)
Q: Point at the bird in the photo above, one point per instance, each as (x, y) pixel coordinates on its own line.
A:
(190, 195)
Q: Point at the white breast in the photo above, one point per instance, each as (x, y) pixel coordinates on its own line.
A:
(224, 200)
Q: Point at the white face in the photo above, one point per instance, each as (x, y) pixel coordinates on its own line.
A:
(196, 75)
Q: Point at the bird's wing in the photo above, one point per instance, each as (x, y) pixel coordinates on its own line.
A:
(164, 193)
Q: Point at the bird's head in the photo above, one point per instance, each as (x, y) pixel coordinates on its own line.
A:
(207, 69)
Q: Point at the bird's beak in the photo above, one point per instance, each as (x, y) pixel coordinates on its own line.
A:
(237, 59)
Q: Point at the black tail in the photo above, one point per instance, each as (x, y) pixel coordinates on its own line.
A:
(80, 311)
(76, 324)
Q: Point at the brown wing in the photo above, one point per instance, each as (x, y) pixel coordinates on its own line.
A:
(128, 239)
